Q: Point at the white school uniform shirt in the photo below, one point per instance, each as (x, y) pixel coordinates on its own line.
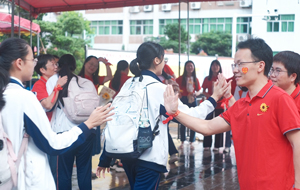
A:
(158, 153)
(23, 112)
(59, 121)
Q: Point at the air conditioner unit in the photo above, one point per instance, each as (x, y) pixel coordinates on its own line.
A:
(135, 9)
(147, 8)
(196, 5)
(219, 3)
(242, 37)
(245, 3)
(166, 7)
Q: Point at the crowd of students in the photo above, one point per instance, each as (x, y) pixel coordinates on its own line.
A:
(261, 102)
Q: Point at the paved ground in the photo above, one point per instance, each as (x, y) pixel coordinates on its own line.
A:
(196, 169)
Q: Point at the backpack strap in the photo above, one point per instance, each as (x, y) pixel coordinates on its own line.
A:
(155, 130)
(15, 161)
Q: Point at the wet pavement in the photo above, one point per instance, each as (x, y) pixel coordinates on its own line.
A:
(196, 169)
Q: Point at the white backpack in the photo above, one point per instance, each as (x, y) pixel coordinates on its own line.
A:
(9, 162)
(81, 101)
(129, 133)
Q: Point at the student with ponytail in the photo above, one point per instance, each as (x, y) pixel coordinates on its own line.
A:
(144, 173)
(120, 77)
(23, 113)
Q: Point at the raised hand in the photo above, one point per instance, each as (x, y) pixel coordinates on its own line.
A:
(170, 100)
(101, 169)
(62, 80)
(99, 116)
(222, 79)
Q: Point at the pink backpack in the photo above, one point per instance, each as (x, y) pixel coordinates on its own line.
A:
(9, 161)
(81, 101)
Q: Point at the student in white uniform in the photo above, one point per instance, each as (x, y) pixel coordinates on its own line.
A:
(144, 173)
(23, 113)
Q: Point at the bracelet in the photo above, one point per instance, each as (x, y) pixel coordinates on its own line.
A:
(170, 117)
(225, 101)
(56, 89)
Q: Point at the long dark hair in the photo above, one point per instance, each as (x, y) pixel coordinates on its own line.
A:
(67, 65)
(10, 50)
(145, 55)
(94, 75)
(210, 71)
(121, 66)
(193, 74)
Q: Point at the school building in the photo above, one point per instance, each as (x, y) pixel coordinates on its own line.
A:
(125, 28)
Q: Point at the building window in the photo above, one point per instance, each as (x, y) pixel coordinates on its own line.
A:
(287, 23)
(243, 25)
(217, 24)
(164, 22)
(138, 27)
(273, 24)
(107, 27)
(195, 26)
(283, 22)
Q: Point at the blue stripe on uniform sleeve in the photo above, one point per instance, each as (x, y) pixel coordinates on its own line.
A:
(163, 111)
(42, 143)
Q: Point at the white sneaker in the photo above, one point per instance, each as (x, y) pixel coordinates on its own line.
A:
(119, 169)
(216, 149)
(173, 159)
(226, 150)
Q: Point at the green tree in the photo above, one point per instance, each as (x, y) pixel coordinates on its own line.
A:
(213, 43)
(172, 32)
(65, 36)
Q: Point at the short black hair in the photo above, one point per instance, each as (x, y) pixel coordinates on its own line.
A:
(291, 62)
(260, 51)
(55, 56)
(42, 61)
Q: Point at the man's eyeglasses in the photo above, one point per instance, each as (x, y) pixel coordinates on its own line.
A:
(240, 64)
(275, 72)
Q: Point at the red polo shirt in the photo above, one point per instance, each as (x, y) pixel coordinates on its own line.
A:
(296, 96)
(100, 79)
(123, 79)
(40, 89)
(264, 155)
(209, 85)
(183, 89)
(168, 70)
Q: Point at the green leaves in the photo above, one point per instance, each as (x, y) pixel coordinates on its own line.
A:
(172, 31)
(65, 36)
(213, 43)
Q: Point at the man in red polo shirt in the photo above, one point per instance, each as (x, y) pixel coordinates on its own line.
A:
(265, 124)
(285, 73)
(46, 67)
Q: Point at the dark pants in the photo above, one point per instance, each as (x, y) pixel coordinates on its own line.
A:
(140, 177)
(228, 139)
(207, 142)
(83, 155)
(172, 148)
(182, 127)
(53, 167)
